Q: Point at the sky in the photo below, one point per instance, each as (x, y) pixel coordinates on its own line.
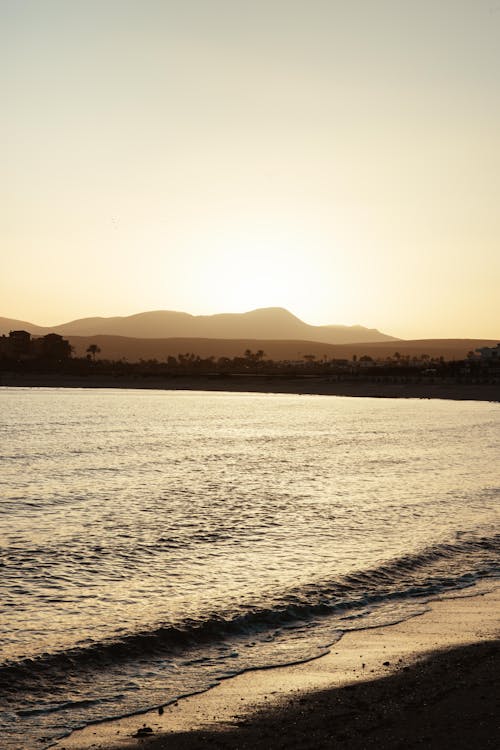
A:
(340, 159)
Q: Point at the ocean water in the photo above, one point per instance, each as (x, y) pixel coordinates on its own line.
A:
(155, 542)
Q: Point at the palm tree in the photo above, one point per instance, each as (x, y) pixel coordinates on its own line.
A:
(93, 349)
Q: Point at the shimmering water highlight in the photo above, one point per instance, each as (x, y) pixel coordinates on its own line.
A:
(153, 542)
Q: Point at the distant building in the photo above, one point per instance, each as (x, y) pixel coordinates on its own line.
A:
(489, 353)
(54, 346)
(19, 344)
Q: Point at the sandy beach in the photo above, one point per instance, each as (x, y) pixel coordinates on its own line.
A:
(269, 384)
(431, 681)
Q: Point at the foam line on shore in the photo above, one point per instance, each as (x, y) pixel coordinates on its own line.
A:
(360, 656)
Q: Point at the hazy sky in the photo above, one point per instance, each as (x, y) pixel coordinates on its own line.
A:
(338, 158)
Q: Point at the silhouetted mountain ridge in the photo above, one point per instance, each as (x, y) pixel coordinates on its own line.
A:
(270, 323)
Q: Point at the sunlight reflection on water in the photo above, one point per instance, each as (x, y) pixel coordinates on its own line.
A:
(126, 511)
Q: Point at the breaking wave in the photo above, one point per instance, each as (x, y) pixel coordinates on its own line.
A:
(432, 571)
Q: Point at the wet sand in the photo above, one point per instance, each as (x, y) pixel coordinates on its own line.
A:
(432, 681)
(269, 384)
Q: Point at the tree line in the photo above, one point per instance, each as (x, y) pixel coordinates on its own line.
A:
(249, 363)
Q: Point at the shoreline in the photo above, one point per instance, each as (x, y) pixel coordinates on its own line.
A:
(267, 384)
(427, 680)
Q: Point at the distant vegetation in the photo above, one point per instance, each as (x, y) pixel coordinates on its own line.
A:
(20, 353)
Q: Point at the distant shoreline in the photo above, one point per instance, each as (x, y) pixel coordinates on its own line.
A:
(399, 388)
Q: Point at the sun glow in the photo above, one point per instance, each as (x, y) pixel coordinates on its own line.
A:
(256, 154)
(265, 270)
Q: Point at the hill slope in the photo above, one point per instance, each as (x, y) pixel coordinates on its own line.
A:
(11, 324)
(266, 323)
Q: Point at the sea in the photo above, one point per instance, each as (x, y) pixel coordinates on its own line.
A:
(155, 542)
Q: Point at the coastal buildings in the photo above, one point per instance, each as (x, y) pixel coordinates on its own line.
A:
(20, 345)
(489, 353)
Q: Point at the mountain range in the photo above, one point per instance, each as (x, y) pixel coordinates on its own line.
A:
(273, 323)
(281, 335)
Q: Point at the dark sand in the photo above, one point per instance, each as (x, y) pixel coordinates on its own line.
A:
(449, 700)
(269, 384)
(429, 682)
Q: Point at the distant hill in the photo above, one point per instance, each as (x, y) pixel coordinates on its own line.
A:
(11, 324)
(281, 335)
(273, 323)
(133, 349)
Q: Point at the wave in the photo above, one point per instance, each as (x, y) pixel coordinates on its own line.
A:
(429, 572)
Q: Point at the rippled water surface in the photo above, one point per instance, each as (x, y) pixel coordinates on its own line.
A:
(152, 542)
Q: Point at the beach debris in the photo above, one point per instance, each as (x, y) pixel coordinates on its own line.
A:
(387, 663)
(160, 710)
(144, 731)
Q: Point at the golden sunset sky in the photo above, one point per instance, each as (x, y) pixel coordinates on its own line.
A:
(337, 158)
